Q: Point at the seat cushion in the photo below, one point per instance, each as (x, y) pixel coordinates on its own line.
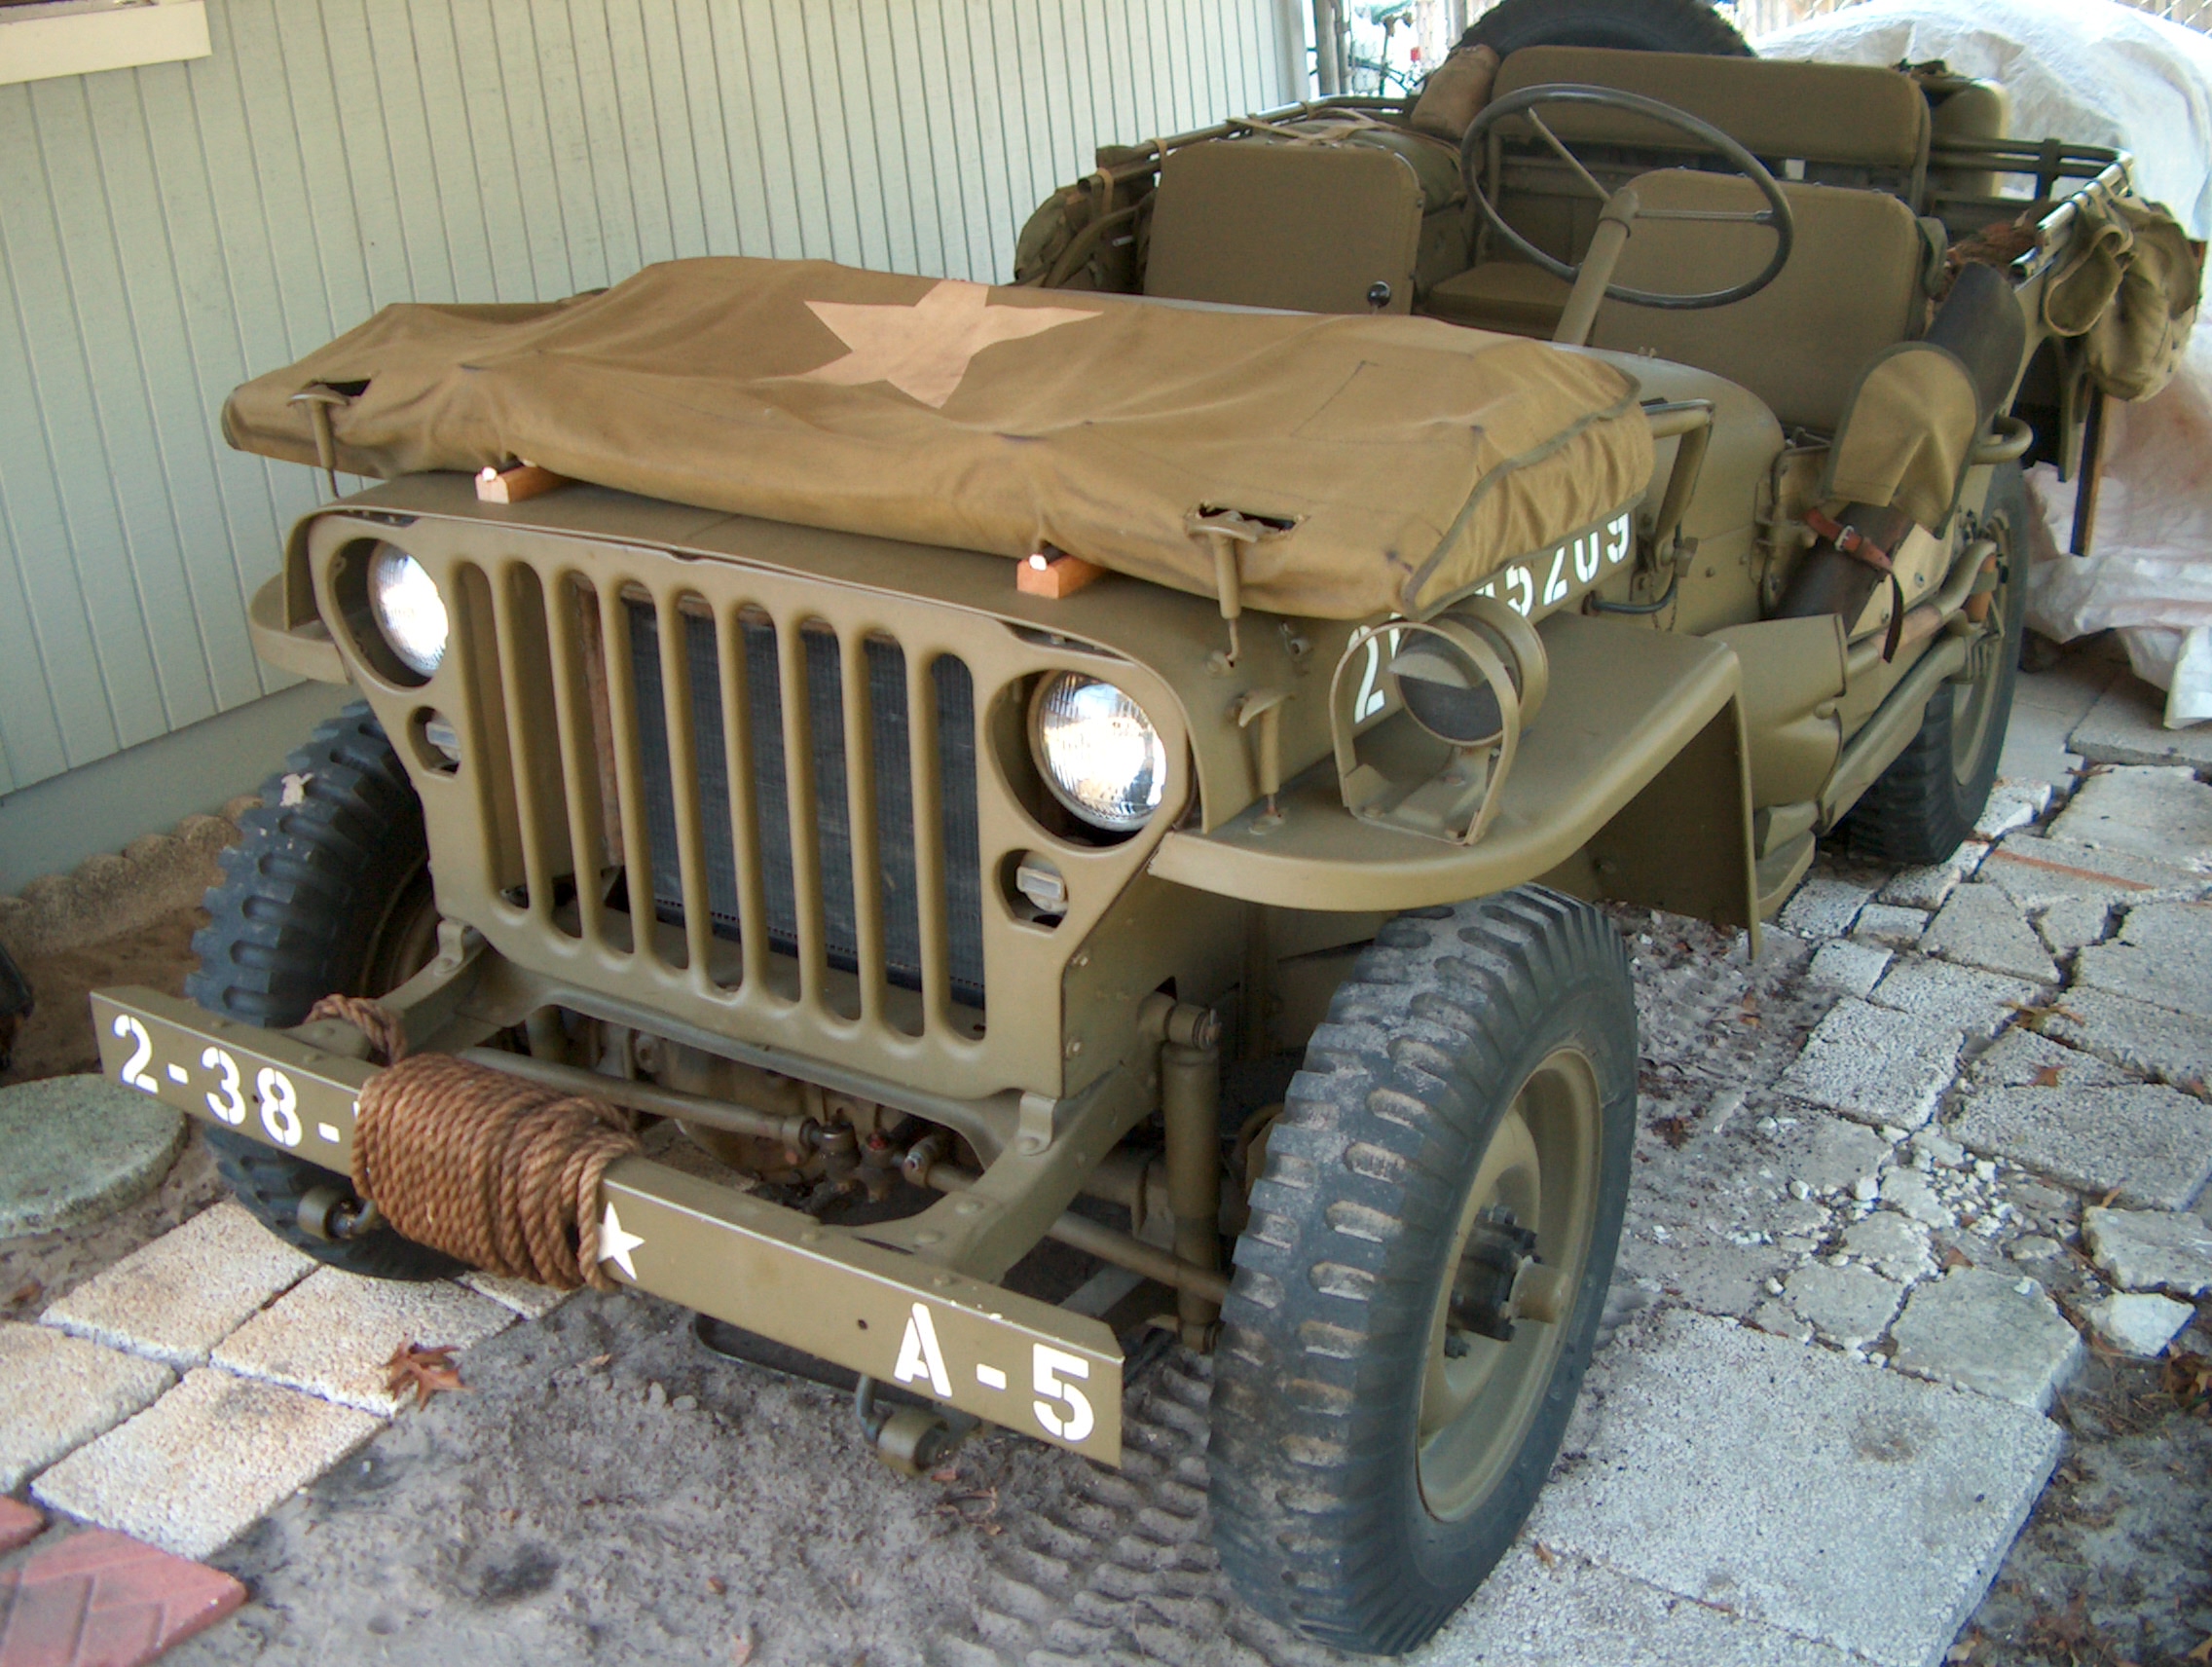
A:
(1850, 288)
(1507, 295)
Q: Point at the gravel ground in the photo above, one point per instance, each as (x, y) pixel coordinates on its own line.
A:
(608, 1490)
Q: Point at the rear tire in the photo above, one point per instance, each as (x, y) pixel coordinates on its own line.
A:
(1471, 1098)
(1926, 803)
(1632, 26)
(327, 894)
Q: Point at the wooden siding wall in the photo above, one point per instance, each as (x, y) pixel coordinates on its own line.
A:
(167, 232)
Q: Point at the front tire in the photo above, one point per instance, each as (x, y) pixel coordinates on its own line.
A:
(327, 893)
(1419, 1289)
(1924, 806)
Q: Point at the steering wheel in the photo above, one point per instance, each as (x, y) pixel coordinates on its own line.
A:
(1526, 101)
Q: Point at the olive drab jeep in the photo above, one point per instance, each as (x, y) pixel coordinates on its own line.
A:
(1134, 757)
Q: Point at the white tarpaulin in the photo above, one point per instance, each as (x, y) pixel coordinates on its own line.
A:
(2097, 73)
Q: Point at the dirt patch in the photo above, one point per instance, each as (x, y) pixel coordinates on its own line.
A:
(57, 1041)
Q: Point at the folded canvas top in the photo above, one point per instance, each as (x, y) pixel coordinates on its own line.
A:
(1398, 461)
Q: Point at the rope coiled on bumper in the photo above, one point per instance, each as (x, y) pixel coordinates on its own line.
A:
(497, 1171)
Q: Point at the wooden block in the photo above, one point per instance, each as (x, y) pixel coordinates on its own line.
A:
(516, 482)
(1055, 573)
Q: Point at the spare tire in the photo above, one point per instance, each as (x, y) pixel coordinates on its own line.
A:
(1631, 25)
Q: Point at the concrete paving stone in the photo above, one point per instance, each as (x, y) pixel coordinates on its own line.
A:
(530, 1301)
(1890, 924)
(1828, 1154)
(2160, 813)
(1996, 1334)
(1824, 906)
(103, 1600)
(1777, 1318)
(2026, 1058)
(1927, 888)
(1894, 1244)
(1874, 1064)
(2073, 924)
(175, 1299)
(56, 1393)
(2037, 870)
(2151, 1249)
(2162, 955)
(2134, 1035)
(1575, 1614)
(1798, 1489)
(2149, 1146)
(1983, 927)
(1907, 1192)
(332, 1336)
(1953, 998)
(2127, 727)
(78, 1148)
(2012, 804)
(2137, 1325)
(19, 1524)
(1848, 966)
(2036, 745)
(1847, 1305)
(205, 1463)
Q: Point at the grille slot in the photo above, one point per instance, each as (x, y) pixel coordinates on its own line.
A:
(869, 703)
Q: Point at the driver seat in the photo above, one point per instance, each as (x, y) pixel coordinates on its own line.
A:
(1852, 286)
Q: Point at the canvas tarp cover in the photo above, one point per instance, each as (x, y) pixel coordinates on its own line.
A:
(1409, 458)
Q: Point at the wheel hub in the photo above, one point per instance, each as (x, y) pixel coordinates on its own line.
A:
(1499, 1251)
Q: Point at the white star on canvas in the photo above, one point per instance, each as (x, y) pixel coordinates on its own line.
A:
(614, 1245)
(923, 351)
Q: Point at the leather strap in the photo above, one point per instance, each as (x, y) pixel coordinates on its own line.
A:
(1850, 540)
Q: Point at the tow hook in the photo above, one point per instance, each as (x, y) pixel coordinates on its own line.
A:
(332, 1213)
(910, 1440)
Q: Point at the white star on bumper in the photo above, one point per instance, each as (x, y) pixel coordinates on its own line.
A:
(615, 1245)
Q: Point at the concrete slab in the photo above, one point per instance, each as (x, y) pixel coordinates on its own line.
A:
(78, 1148)
(1575, 1614)
(530, 1301)
(1998, 1335)
(2151, 1249)
(1797, 1488)
(203, 1463)
(2073, 924)
(1907, 1192)
(2038, 746)
(2140, 1325)
(1984, 927)
(1927, 888)
(1890, 924)
(1895, 1246)
(2163, 814)
(19, 1524)
(2012, 803)
(58, 1392)
(2036, 871)
(1952, 998)
(2127, 727)
(1847, 965)
(1875, 1065)
(2027, 1059)
(332, 1336)
(178, 1297)
(103, 1600)
(2163, 955)
(1847, 1306)
(2151, 1147)
(1828, 1154)
(1824, 906)
(2150, 1041)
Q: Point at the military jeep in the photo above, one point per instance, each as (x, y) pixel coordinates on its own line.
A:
(1423, 531)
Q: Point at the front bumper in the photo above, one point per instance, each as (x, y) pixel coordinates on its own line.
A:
(1007, 1358)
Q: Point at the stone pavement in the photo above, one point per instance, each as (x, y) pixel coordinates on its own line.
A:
(1890, 1174)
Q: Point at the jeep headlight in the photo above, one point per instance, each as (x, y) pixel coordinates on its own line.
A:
(408, 610)
(1098, 752)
